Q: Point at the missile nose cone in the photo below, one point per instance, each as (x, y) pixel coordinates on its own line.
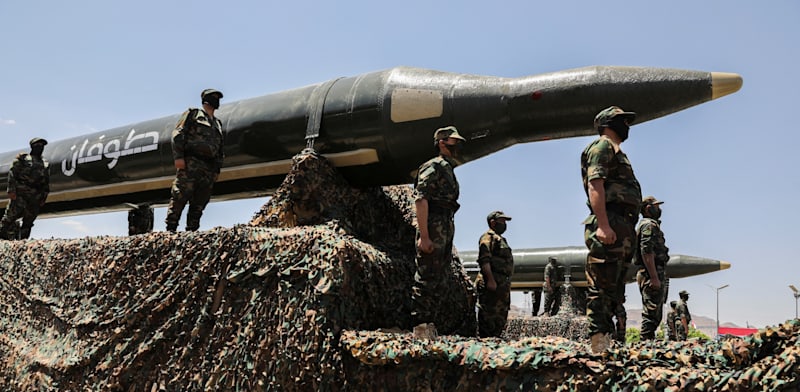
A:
(724, 83)
(723, 265)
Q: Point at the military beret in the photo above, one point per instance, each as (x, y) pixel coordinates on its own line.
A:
(446, 132)
(605, 115)
(38, 140)
(210, 91)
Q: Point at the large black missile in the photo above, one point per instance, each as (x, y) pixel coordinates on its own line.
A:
(529, 266)
(376, 127)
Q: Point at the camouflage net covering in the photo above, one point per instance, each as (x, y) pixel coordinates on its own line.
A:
(766, 361)
(242, 308)
(567, 323)
(313, 295)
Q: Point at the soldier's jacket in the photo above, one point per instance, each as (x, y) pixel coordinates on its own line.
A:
(550, 270)
(198, 136)
(683, 311)
(29, 174)
(436, 182)
(493, 249)
(671, 315)
(651, 241)
(600, 160)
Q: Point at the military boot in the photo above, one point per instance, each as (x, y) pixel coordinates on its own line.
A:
(600, 342)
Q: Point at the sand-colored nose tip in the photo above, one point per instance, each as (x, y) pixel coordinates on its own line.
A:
(724, 83)
(723, 265)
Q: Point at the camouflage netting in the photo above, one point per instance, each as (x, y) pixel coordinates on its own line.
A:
(766, 361)
(244, 308)
(287, 303)
(567, 323)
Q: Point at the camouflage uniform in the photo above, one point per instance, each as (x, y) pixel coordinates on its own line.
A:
(199, 141)
(552, 296)
(140, 220)
(671, 316)
(606, 264)
(436, 182)
(682, 310)
(621, 324)
(29, 178)
(651, 241)
(536, 300)
(493, 306)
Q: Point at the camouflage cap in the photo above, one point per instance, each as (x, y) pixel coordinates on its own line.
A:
(648, 201)
(497, 215)
(602, 118)
(446, 132)
(651, 200)
(38, 140)
(683, 293)
(209, 91)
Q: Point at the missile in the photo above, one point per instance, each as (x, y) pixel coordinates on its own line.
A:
(529, 266)
(376, 128)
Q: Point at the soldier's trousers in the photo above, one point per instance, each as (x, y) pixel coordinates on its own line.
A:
(25, 206)
(605, 270)
(680, 333)
(652, 302)
(552, 301)
(430, 289)
(493, 309)
(192, 185)
(536, 300)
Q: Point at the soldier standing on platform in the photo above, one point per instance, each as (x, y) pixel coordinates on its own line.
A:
(197, 149)
(614, 196)
(436, 202)
(493, 283)
(652, 256)
(28, 187)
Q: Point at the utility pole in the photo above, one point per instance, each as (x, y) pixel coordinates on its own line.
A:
(716, 333)
(796, 296)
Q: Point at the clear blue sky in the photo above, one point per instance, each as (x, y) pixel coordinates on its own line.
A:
(724, 168)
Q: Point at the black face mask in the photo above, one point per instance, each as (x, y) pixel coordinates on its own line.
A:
(499, 227)
(455, 149)
(37, 150)
(653, 211)
(212, 100)
(620, 127)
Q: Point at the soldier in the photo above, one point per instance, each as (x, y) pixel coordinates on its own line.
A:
(652, 256)
(28, 187)
(684, 318)
(613, 196)
(197, 148)
(436, 202)
(551, 289)
(671, 326)
(493, 282)
(140, 219)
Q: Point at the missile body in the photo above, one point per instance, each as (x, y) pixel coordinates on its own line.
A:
(529, 266)
(376, 127)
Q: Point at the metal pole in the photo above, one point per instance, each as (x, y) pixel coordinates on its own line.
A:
(716, 333)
